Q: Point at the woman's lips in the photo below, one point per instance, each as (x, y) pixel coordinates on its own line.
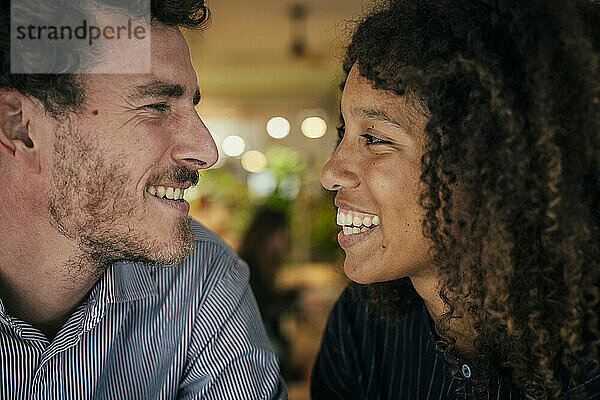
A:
(347, 241)
(356, 219)
(356, 225)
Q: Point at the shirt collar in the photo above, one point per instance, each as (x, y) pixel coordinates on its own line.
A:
(121, 283)
(3, 317)
(124, 282)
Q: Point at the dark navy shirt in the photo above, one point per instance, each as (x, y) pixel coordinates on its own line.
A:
(365, 358)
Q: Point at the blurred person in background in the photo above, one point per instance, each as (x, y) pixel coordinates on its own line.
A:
(264, 247)
(108, 289)
(467, 175)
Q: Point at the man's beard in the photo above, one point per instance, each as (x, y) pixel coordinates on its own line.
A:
(90, 202)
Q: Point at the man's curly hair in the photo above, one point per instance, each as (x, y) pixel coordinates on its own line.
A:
(61, 94)
(512, 175)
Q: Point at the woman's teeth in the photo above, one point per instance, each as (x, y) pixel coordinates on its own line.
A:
(354, 222)
(167, 192)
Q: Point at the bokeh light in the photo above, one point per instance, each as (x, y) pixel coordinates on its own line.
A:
(254, 161)
(278, 127)
(234, 145)
(263, 183)
(314, 127)
(289, 187)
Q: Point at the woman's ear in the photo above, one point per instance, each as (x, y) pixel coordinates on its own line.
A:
(15, 140)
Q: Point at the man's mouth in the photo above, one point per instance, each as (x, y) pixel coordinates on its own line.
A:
(167, 192)
(354, 222)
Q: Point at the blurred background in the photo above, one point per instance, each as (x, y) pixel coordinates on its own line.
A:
(269, 73)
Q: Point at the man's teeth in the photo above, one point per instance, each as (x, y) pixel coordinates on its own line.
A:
(166, 192)
(354, 222)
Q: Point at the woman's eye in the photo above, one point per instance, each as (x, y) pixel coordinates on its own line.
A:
(370, 139)
(162, 107)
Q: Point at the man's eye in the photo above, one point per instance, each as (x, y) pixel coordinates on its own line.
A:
(341, 130)
(370, 139)
(162, 107)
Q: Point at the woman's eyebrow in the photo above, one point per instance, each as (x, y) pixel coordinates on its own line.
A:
(377, 114)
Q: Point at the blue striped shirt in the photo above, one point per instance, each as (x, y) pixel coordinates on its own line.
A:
(145, 332)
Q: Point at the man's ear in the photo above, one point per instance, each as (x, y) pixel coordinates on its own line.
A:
(15, 141)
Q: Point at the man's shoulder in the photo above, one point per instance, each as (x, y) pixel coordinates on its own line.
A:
(211, 257)
(209, 261)
(204, 236)
(209, 247)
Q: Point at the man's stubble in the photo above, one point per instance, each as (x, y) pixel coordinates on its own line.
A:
(90, 201)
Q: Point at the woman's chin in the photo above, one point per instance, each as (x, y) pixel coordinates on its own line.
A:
(359, 273)
(365, 273)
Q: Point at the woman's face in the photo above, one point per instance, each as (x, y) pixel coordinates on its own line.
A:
(375, 171)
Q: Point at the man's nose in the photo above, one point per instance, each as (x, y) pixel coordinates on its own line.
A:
(338, 172)
(195, 148)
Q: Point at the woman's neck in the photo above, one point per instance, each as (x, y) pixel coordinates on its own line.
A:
(460, 328)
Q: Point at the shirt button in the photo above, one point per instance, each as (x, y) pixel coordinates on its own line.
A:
(466, 371)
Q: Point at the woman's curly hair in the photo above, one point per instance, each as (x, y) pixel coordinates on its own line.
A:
(512, 174)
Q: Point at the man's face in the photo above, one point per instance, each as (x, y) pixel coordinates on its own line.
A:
(121, 165)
